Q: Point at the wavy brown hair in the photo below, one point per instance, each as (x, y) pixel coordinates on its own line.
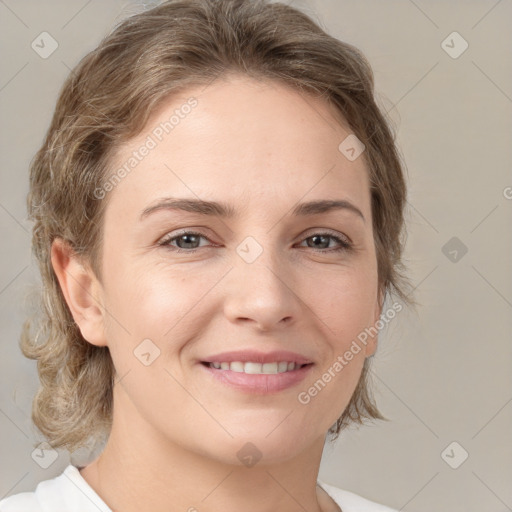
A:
(108, 98)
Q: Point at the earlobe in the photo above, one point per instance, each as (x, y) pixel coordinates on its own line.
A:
(81, 290)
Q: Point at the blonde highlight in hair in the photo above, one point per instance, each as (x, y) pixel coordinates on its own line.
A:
(108, 98)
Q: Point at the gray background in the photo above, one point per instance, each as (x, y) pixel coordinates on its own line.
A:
(442, 376)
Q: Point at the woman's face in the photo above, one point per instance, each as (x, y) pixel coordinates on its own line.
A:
(264, 279)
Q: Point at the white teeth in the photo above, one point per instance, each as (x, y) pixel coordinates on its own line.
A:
(256, 368)
(282, 367)
(253, 368)
(269, 368)
(236, 366)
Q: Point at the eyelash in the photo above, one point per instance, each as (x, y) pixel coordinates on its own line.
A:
(345, 245)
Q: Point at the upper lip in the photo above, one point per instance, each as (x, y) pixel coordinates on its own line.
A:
(258, 357)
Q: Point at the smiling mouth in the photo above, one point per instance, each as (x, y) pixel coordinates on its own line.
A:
(254, 368)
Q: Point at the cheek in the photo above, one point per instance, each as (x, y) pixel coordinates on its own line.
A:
(163, 303)
(346, 308)
(346, 302)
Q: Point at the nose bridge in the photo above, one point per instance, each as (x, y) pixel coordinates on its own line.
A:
(259, 262)
(261, 291)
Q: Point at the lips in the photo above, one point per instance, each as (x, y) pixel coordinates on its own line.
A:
(257, 372)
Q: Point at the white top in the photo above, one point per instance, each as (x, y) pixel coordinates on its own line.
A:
(69, 492)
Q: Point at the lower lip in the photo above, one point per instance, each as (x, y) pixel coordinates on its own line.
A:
(259, 383)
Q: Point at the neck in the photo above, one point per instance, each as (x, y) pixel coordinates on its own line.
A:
(140, 469)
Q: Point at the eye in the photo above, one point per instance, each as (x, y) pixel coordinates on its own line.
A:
(320, 240)
(189, 242)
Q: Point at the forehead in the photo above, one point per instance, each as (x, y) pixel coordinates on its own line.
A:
(244, 141)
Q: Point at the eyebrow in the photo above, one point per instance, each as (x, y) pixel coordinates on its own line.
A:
(224, 210)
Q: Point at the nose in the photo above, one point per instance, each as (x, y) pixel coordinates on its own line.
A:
(264, 293)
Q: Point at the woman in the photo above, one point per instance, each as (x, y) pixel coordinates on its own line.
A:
(218, 210)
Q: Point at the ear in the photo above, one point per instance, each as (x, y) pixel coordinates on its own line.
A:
(371, 345)
(82, 291)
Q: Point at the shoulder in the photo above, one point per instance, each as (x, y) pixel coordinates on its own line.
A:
(22, 502)
(67, 492)
(351, 502)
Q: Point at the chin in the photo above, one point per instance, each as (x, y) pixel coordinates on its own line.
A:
(263, 447)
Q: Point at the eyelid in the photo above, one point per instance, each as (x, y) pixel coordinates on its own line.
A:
(327, 231)
(344, 242)
(172, 235)
(202, 232)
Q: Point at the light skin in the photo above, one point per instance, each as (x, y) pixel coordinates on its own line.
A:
(262, 148)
